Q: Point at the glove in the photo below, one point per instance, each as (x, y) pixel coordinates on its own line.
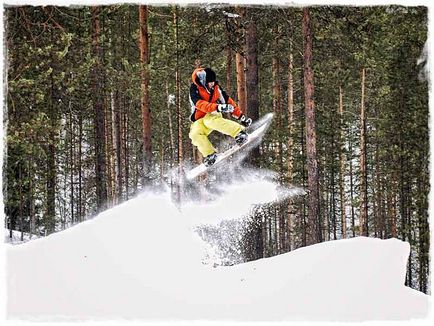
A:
(225, 108)
(245, 121)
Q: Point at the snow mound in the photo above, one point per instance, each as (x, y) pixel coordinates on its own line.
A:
(143, 260)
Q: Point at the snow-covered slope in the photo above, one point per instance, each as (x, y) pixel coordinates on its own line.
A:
(142, 259)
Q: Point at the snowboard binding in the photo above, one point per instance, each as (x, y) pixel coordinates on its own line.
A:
(241, 138)
(210, 159)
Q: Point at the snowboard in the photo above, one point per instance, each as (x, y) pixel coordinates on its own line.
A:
(255, 131)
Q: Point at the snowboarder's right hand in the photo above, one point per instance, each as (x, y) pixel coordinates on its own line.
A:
(245, 121)
(225, 108)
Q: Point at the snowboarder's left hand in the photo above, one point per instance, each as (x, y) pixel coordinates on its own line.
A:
(245, 121)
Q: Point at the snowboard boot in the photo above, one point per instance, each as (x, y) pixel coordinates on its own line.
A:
(210, 159)
(241, 138)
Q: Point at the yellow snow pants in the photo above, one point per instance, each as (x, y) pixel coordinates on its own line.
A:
(201, 128)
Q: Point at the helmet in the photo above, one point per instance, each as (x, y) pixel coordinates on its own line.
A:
(210, 75)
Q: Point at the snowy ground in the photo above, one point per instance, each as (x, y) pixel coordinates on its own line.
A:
(142, 260)
(16, 237)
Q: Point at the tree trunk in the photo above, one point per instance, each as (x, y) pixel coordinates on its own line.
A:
(99, 118)
(264, 233)
(342, 165)
(107, 105)
(353, 214)
(118, 146)
(107, 132)
(50, 218)
(391, 203)
(169, 118)
(178, 90)
(31, 198)
(277, 107)
(51, 187)
(162, 162)
(179, 113)
(332, 179)
(252, 77)
(126, 150)
(71, 163)
(239, 58)
(251, 106)
(327, 223)
(377, 195)
(382, 208)
(79, 166)
(303, 207)
(290, 157)
(229, 69)
(363, 165)
(314, 222)
(423, 230)
(145, 104)
(21, 200)
(241, 83)
(63, 206)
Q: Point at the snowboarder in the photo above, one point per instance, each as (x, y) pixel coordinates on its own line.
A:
(208, 103)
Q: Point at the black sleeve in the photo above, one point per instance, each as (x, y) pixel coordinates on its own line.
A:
(194, 94)
(225, 95)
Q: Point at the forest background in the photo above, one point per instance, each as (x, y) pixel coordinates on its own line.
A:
(97, 110)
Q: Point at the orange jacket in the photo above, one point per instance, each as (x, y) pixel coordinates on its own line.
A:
(204, 101)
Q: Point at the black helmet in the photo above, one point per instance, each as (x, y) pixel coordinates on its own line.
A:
(210, 75)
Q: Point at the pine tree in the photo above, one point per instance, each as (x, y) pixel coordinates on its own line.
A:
(314, 224)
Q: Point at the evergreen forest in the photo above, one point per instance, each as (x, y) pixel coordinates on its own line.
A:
(97, 109)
